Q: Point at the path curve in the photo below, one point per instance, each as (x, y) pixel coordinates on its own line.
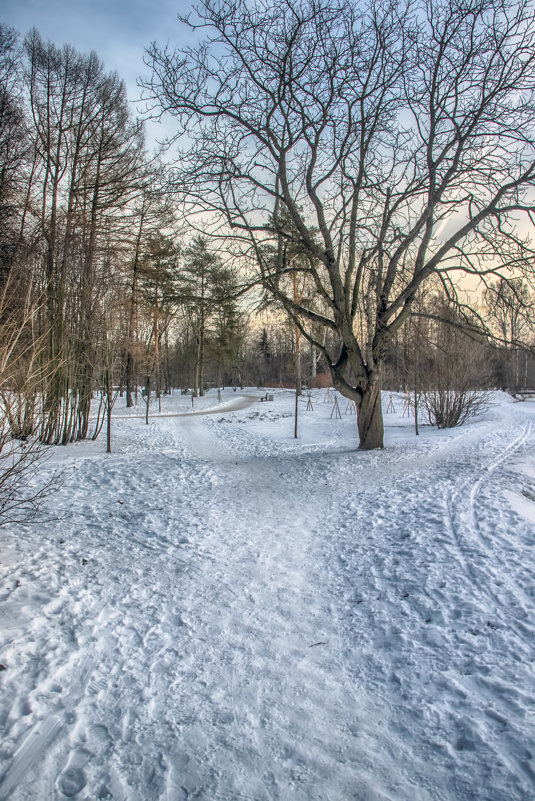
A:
(234, 405)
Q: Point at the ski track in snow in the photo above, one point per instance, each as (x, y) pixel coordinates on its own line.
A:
(225, 614)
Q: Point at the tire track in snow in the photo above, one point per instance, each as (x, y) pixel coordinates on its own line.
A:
(461, 551)
(482, 555)
(489, 469)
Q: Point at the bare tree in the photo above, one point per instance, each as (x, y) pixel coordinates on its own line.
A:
(88, 156)
(509, 305)
(397, 138)
(14, 146)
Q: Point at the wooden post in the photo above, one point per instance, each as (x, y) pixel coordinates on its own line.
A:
(336, 409)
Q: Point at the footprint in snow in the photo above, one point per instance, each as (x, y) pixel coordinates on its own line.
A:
(71, 782)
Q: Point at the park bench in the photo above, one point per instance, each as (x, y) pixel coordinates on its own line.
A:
(523, 394)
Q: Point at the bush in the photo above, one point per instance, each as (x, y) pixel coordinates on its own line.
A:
(23, 370)
(448, 408)
(22, 491)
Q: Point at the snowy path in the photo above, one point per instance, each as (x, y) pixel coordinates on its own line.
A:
(226, 616)
(264, 626)
(235, 404)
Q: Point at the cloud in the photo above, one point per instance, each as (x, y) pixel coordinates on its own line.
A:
(118, 31)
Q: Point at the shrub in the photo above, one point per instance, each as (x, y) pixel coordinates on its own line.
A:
(448, 408)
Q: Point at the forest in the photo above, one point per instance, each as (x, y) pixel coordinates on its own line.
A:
(128, 274)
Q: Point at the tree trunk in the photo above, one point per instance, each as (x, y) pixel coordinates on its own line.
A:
(201, 360)
(147, 399)
(370, 417)
(109, 405)
(313, 362)
(298, 389)
(130, 378)
(167, 363)
(197, 379)
(157, 351)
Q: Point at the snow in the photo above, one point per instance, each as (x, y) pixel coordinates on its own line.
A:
(218, 611)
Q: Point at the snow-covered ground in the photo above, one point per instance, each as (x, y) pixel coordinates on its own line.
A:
(217, 611)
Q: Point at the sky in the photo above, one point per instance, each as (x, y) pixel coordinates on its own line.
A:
(118, 30)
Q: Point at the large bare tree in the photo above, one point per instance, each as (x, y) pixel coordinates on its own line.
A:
(397, 138)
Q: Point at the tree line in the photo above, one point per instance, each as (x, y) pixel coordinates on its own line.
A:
(99, 287)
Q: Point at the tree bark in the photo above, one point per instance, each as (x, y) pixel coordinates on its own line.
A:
(370, 417)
